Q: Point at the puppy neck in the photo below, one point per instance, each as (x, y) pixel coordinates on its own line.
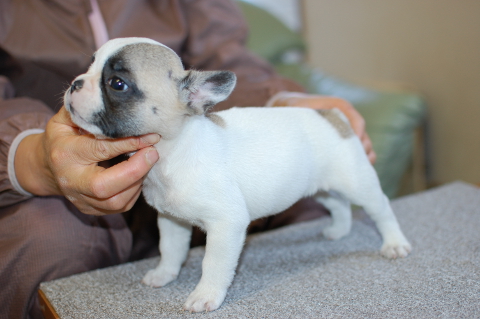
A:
(194, 128)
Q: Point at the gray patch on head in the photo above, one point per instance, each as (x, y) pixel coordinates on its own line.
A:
(147, 56)
(334, 117)
(142, 66)
(217, 119)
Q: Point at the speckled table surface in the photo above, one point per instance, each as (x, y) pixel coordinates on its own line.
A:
(294, 272)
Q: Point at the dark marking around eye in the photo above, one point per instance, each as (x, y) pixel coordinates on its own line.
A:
(154, 109)
(118, 66)
(118, 118)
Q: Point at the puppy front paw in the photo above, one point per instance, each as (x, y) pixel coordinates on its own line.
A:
(396, 250)
(204, 300)
(334, 232)
(158, 277)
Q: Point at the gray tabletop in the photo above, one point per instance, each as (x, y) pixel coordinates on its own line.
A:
(294, 272)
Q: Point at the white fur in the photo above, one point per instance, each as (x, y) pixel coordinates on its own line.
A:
(258, 162)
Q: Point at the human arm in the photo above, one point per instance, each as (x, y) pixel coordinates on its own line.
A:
(62, 161)
(326, 102)
(61, 153)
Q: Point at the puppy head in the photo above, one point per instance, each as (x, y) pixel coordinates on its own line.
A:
(137, 86)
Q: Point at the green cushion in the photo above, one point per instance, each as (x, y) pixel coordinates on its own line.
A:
(269, 37)
(391, 119)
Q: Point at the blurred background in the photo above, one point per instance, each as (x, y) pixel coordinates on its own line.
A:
(429, 49)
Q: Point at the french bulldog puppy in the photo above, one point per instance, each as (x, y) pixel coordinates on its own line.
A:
(219, 171)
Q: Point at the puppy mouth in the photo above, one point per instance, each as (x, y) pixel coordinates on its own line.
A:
(78, 120)
(81, 131)
(70, 109)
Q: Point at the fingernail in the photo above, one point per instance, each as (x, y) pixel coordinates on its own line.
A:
(151, 138)
(151, 156)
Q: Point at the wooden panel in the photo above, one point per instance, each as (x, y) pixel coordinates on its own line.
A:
(47, 309)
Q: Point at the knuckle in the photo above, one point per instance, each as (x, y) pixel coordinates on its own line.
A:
(131, 145)
(343, 104)
(58, 156)
(101, 150)
(134, 144)
(98, 189)
(63, 183)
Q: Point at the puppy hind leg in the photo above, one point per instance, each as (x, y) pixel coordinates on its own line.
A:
(340, 211)
(366, 192)
(394, 242)
(174, 246)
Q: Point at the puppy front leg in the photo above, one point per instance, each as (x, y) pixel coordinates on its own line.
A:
(224, 245)
(174, 245)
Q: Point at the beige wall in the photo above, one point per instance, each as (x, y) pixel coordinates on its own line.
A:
(431, 45)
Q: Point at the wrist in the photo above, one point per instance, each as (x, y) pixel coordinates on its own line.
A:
(31, 169)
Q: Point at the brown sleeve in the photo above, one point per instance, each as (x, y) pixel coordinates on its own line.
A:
(217, 36)
(16, 115)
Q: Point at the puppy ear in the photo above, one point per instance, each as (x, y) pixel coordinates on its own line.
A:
(201, 90)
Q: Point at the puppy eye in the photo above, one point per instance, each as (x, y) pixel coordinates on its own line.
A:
(117, 84)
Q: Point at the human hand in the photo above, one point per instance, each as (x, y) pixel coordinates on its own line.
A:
(356, 120)
(62, 161)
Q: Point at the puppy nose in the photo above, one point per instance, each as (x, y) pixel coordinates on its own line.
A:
(76, 85)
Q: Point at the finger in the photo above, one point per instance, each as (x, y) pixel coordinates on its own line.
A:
(356, 120)
(358, 126)
(372, 157)
(368, 147)
(96, 150)
(105, 183)
(354, 117)
(103, 149)
(367, 143)
(118, 203)
(85, 148)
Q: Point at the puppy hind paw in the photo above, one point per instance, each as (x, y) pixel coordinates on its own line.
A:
(394, 251)
(157, 278)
